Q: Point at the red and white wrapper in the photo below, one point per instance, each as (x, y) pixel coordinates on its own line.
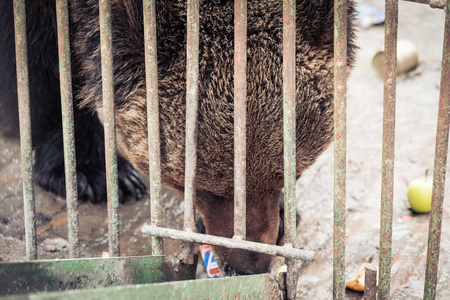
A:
(212, 269)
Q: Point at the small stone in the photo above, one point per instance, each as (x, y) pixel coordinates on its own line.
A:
(56, 244)
(51, 249)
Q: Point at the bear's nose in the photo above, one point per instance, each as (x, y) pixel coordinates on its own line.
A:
(230, 271)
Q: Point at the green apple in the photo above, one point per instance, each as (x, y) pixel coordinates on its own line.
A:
(419, 194)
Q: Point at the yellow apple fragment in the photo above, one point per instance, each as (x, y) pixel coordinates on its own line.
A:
(419, 194)
(357, 282)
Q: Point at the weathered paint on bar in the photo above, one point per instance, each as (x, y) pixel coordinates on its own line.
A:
(340, 145)
(70, 166)
(440, 163)
(25, 127)
(110, 127)
(154, 145)
(289, 118)
(289, 9)
(387, 183)
(191, 121)
(260, 286)
(88, 273)
(240, 116)
(286, 251)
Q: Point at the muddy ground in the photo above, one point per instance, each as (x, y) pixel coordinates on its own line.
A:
(417, 106)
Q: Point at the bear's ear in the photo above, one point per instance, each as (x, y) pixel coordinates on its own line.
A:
(280, 239)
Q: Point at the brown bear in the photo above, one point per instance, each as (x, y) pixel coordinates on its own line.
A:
(214, 195)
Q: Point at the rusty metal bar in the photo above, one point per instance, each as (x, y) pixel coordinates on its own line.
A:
(440, 163)
(370, 282)
(387, 188)
(110, 127)
(340, 145)
(70, 166)
(154, 146)
(286, 251)
(240, 116)
(191, 122)
(26, 150)
(432, 3)
(289, 9)
(289, 118)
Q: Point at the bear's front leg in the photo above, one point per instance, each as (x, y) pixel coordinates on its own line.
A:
(90, 158)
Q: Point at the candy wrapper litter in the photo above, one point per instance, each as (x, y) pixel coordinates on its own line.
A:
(212, 269)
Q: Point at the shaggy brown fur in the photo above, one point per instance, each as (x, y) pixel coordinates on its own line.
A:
(314, 95)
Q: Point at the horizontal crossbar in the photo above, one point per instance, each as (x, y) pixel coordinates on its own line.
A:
(286, 251)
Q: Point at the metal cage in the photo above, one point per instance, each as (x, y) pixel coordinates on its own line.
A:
(239, 240)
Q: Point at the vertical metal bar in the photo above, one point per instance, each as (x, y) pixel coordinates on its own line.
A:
(70, 165)
(151, 69)
(23, 94)
(340, 145)
(387, 188)
(191, 121)
(289, 9)
(370, 282)
(240, 116)
(440, 162)
(110, 127)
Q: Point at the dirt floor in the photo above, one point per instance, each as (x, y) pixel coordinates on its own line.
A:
(417, 106)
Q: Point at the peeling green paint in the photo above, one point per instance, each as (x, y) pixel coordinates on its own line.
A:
(54, 275)
(242, 287)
